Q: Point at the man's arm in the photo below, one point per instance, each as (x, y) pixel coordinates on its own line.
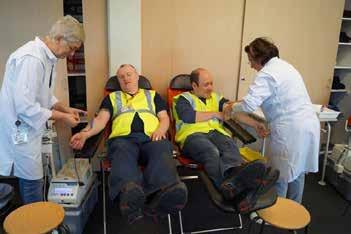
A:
(160, 132)
(187, 114)
(201, 116)
(97, 125)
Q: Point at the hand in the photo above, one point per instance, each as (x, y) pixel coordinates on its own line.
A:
(78, 140)
(220, 116)
(261, 129)
(77, 112)
(158, 135)
(227, 110)
(71, 120)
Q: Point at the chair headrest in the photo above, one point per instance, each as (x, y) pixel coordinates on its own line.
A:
(182, 82)
(113, 85)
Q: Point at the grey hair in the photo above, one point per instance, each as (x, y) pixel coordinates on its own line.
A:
(69, 29)
(127, 65)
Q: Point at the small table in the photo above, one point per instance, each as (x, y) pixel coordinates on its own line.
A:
(38, 217)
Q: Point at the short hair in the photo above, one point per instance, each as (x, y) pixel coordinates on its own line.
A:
(195, 74)
(69, 29)
(262, 50)
(126, 65)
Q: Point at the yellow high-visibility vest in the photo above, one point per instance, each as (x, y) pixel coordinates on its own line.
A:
(183, 130)
(125, 106)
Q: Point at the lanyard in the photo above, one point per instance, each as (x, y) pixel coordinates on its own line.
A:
(50, 81)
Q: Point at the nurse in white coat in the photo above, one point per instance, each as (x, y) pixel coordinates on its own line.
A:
(27, 102)
(293, 144)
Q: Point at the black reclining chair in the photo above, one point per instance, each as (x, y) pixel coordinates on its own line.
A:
(7, 204)
(181, 83)
(93, 143)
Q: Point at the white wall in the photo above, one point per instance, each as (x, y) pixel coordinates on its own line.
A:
(124, 33)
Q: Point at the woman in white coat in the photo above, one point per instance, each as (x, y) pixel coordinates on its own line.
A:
(27, 102)
(293, 144)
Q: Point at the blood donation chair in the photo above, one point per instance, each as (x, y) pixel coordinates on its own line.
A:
(93, 143)
(181, 83)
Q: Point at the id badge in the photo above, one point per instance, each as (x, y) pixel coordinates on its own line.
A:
(20, 136)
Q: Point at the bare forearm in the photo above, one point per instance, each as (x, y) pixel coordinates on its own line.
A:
(60, 107)
(205, 116)
(57, 115)
(97, 124)
(164, 124)
(95, 127)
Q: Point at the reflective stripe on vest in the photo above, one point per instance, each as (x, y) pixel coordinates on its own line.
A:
(183, 130)
(118, 104)
(124, 110)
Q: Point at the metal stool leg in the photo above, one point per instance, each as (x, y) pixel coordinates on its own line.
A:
(169, 224)
(180, 222)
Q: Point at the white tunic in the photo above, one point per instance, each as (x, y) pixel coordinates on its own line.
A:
(293, 145)
(26, 95)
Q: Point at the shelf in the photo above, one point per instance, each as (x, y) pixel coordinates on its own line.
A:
(338, 90)
(343, 67)
(344, 43)
(76, 74)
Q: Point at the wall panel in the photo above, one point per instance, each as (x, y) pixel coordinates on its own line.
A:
(306, 33)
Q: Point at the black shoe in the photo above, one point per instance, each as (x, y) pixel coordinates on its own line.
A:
(246, 201)
(168, 201)
(245, 178)
(269, 179)
(132, 199)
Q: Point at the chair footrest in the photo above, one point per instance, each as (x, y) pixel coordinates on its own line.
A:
(264, 200)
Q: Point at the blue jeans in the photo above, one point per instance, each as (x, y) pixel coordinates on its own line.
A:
(292, 190)
(31, 190)
(129, 152)
(215, 151)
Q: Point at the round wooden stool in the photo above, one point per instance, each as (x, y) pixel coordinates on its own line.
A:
(39, 217)
(285, 214)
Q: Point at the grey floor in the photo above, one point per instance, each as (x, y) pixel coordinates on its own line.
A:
(324, 203)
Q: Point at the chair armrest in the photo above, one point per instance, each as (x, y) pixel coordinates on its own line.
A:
(91, 145)
(239, 132)
(257, 117)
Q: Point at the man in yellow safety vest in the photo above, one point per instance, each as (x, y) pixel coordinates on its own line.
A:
(200, 132)
(139, 125)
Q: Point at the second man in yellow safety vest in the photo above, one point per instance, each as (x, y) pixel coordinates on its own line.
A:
(200, 132)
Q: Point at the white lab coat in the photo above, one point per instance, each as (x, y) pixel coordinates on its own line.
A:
(293, 145)
(26, 96)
